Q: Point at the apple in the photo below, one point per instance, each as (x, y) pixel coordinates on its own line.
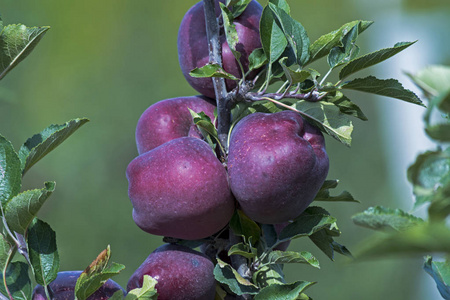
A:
(276, 165)
(182, 273)
(63, 288)
(170, 119)
(180, 189)
(193, 49)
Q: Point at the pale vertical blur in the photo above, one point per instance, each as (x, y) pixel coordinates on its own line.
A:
(110, 60)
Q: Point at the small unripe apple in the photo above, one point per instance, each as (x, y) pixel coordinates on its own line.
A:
(180, 189)
(170, 119)
(182, 273)
(193, 50)
(276, 164)
(63, 288)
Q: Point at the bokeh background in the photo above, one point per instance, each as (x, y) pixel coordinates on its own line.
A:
(109, 60)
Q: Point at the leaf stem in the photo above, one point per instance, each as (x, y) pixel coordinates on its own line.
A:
(223, 107)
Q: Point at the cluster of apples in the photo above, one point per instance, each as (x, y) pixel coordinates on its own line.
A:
(180, 189)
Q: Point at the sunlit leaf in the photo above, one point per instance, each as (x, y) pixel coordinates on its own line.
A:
(146, 292)
(10, 172)
(289, 257)
(225, 274)
(287, 291)
(211, 70)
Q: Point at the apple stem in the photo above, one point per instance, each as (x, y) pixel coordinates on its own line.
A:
(215, 57)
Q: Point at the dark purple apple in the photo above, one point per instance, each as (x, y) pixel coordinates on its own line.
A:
(276, 164)
(182, 273)
(180, 189)
(63, 288)
(193, 50)
(170, 119)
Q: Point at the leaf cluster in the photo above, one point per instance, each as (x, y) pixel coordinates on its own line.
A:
(430, 179)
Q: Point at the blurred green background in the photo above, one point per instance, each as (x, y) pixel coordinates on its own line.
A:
(110, 60)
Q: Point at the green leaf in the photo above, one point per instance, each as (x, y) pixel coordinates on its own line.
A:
(207, 128)
(22, 208)
(146, 292)
(328, 118)
(242, 249)
(257, 59)
(283, 4)
(244, 226)
(118, 295)
(433, 80)
(293, 76)
(428, 174)
(17, 280)
(440, 271)
(389, 88)
(225, 274)
(371, 59)
(239, 6)
(310, 221)
(231, 33)
(324, 193)
(41, 241)
(386, 219)
(439, 132)
(39, 145)
(323, 239)
(345, 105)
(323, 45)
(16, 42)
(10, 172)
(289, 257)
(5, 251)
(96, 274)
(269, 274)
(288, 291)
(211, 70)
(295, 34)
(273, 39)
(344, 53)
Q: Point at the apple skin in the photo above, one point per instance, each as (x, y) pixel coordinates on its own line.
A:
(182, 273)
(63, 288)
(180, 190)
(170, 119)
(276, 165)
(193, 50)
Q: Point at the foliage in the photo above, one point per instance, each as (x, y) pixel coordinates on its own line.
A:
(430, 178)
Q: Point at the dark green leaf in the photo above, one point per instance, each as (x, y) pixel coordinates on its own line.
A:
(328, 118)
(273, 39)
(345, 105)
(16, 42)
(389, 88)
(96, 274)
(323, 45)
(287, 291)
(371, 59)
(17, 280)
(41, 241)
(242, 249)
(225, 274)
(257, 59)
(386, 219)
(117, 295)
(239, 6)
(10, 172)
(439, 132)
(295, 34)
(344, 53)
(270, 234)
(211, 70)
(206, 127)
(428, 174)
(22, 208)
(440, 271)
(146, 292)
(323, 239)
(289, 257)
(269, 274)
(310, 221)
(5, 250)
(42, 143)
(282, 4)
(324, 193)
(244, 226)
